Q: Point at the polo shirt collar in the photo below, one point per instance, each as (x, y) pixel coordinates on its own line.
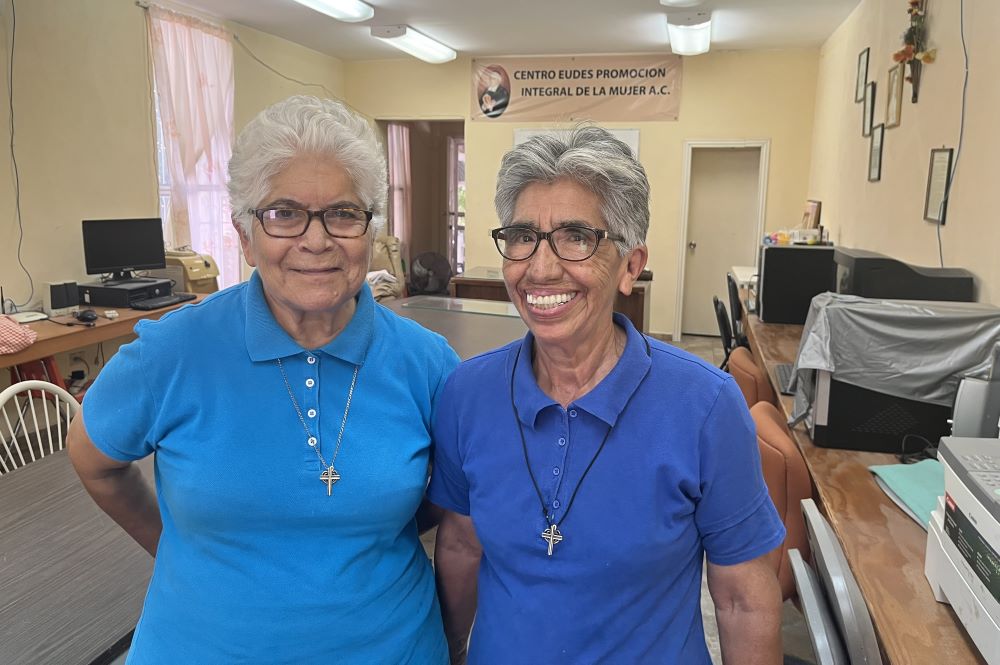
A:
(267, 340)
(606, 401)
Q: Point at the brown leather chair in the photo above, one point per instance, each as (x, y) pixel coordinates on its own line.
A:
(788, 482)
(751, 380)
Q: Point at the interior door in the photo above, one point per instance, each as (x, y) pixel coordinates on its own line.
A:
(722, 227)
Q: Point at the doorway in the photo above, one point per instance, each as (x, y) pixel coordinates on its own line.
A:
(725, 186)
(427, 188)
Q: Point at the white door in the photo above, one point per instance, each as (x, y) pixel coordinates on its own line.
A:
(723, 208)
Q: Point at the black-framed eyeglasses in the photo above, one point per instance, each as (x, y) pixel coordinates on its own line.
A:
(339, 222)
(573, 242)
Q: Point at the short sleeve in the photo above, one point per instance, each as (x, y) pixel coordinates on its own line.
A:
(119, 410)
(735, 515)
(449, 487)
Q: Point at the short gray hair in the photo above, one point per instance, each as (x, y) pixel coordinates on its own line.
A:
(592, 157)
(302, 125)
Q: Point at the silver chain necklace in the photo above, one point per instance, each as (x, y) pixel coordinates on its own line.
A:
(329, 475)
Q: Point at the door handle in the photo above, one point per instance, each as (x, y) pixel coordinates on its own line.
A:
(692, 246)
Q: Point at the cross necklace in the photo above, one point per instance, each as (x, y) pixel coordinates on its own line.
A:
(551, 535)
(330, 475)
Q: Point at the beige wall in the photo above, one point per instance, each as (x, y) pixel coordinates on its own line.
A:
(83, 129)
(887, 216)
(727, 95)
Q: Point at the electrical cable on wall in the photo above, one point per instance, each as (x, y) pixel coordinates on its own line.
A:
(13, 160)
(961, 129)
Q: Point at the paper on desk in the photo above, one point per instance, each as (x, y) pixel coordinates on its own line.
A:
(913, 487)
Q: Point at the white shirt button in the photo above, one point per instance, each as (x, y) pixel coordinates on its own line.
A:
(572, 413)
(311, 413)
(310, 383)
(311, 360)
(312, 441)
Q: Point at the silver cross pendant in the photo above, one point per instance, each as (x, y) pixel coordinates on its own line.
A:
(329, 476)
(552, 536)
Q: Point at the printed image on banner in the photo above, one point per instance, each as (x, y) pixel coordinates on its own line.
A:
(576, 88)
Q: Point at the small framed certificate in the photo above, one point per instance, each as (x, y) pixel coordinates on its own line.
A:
(875, 153)
(868, 110)
(938, 185)
(862, 80)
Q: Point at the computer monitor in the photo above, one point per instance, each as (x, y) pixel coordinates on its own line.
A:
(121, 246)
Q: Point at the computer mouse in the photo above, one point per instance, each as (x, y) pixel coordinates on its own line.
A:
(86, 315)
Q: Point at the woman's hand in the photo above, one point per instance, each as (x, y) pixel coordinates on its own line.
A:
(117, 487)
(456, 566)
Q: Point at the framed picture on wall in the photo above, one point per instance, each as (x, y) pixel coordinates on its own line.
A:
(938, 184)
(868, 110)
(894, 96)
(811, 215)
(859, 86)
(875, 153)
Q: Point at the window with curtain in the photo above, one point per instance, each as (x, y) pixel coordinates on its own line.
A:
(400, 205)
(193, 94)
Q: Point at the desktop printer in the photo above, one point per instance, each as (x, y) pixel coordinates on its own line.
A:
(790, 275)
(872, 275)
(190, 271)
(878, 374)
(122, 293)
(963, 537)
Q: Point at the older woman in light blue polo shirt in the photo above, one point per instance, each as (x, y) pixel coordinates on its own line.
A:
(587, 470)
(290, 417)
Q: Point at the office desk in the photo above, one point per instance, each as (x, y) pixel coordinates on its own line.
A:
(884, 547)
(54, 338)
(72, 582)
(487, 284)
(462, 322)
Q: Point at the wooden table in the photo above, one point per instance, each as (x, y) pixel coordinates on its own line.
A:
(462, 322)
(54, 338)
(884, 547)
(72, 583)
(487, 284)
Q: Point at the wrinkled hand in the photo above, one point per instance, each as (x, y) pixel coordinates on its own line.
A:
(488, 102)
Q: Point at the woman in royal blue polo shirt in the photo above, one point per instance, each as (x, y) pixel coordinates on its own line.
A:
(587, 470)
(291, 455)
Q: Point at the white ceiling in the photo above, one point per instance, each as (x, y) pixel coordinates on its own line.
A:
(533, 27)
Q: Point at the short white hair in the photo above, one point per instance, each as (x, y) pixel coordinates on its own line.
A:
(304, 125)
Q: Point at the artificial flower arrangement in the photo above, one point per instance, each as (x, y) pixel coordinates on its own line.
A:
(915, 51)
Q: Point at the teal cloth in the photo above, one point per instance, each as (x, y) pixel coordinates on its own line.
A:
(916, 485)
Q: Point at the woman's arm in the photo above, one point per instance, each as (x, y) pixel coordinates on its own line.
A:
(456, 564)
(117, 487)
(748, 608)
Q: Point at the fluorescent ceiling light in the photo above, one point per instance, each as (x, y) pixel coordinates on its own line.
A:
(690, 33)
(416, 44)
(350, 11)
(680, 3)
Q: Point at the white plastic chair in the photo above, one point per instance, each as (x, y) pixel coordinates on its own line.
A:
(34, 419)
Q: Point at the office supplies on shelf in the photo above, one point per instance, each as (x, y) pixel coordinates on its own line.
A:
(961, 563)
(913, 487)
(163, 301)
(873, 275)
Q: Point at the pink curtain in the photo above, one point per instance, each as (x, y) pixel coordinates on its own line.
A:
(400, 205)
(193, 74)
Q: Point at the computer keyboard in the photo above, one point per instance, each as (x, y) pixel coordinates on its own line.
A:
(784, 372)
(163, 301)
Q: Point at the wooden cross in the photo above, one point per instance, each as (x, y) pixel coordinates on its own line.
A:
(329, 476)
(552, 536)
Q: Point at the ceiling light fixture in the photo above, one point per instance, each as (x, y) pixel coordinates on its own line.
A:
(350, 11)
(690, 33)
(415, 43)
(680, 3)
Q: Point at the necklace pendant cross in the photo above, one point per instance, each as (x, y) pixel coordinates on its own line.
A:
(552, 536)
(329, 476)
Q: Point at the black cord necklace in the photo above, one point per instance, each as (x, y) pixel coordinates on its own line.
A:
(552, 535)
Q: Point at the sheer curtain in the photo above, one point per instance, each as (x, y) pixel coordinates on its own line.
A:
(193, 76)
(400, 206)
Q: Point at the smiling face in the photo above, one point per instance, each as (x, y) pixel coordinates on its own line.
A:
(567, 302)
(313, 275)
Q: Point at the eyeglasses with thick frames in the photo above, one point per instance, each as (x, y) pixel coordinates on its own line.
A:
(573, 242)
(339, 222)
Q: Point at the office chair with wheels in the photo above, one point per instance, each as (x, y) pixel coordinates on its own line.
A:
(788, 483)
(725, 331)
(735, 307)
(753, 383)
(34, 417)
